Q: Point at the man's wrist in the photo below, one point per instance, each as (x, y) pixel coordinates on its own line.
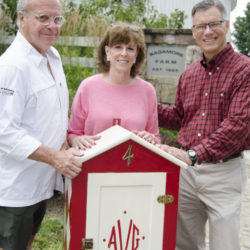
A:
(192, 154)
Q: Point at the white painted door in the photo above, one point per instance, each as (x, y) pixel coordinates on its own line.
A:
(123, 212)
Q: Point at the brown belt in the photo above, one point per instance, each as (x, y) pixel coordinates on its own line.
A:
(231, 157)
(228, 158)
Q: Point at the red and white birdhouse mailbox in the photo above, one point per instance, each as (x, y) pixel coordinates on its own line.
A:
(125, 198)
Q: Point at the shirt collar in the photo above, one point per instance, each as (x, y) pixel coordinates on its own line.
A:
(34, 55)
(219, 58)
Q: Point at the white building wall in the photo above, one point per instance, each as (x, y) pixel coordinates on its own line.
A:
(168, 6)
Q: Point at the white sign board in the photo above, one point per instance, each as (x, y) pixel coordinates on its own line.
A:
(166, 60)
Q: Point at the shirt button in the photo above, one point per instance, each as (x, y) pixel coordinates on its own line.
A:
(218, 68)
(221, 94)
(203, 114)
(206, 94)
(210, 73)
(199, 134)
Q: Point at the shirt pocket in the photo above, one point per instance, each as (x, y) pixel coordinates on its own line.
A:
(223, 104)
(44, 105)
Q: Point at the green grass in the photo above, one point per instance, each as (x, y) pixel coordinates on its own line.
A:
(172, 133)
(50, 235)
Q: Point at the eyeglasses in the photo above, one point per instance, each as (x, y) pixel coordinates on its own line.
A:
(130, 26)
(45, 19)
(213, 26)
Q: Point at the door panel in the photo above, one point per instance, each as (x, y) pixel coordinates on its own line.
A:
(123, 212)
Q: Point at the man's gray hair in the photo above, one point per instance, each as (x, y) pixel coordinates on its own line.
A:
(207, 4)
(22, 5)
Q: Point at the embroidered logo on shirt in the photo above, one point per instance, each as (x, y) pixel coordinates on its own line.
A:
(5, 91)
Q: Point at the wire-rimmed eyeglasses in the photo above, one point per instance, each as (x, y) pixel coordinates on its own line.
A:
(213, 26)
(45, 19)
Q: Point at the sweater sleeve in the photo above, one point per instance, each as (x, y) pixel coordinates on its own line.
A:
(78, 114)
(152, 124)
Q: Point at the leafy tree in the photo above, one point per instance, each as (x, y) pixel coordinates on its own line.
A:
(136, 11)
(242, 32)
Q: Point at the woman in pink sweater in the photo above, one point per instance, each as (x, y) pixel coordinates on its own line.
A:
(116, 95)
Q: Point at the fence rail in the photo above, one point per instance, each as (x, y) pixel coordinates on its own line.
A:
(68, 41)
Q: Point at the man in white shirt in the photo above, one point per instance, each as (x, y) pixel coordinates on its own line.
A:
(33, 124)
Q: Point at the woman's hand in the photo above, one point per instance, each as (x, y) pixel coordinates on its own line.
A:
(83, 141)
(146, 136)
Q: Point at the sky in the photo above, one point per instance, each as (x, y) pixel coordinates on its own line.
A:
(238, 11)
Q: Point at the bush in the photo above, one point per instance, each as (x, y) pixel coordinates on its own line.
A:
(74, 76)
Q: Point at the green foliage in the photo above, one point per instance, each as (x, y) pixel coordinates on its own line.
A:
(171, 133)
(105, 11)
(9, 9)
(75, 51)
(74, 76)
(177, 19)
(137, 11)
(50, 236)
(242, 32)
(3, 47)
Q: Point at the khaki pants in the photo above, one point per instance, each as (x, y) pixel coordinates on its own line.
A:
(212, 192)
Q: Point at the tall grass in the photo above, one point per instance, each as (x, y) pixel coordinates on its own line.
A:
(80, 23)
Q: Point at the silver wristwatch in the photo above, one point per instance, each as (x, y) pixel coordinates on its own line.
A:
(192, 156)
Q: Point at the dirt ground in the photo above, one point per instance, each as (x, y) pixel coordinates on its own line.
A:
(55, 205)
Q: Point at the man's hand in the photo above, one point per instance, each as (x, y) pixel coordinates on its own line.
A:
(146, 136)
(176, 152)
(66, 162)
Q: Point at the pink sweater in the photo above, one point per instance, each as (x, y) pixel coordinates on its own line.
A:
(98, 105)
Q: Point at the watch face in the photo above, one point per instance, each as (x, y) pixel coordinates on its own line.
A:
(192, 153)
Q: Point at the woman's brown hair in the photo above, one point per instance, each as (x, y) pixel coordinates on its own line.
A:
(122, 33)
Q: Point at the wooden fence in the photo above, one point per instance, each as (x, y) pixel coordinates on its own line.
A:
(68, 41)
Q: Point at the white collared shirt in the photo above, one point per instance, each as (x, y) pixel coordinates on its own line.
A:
(33, 111)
